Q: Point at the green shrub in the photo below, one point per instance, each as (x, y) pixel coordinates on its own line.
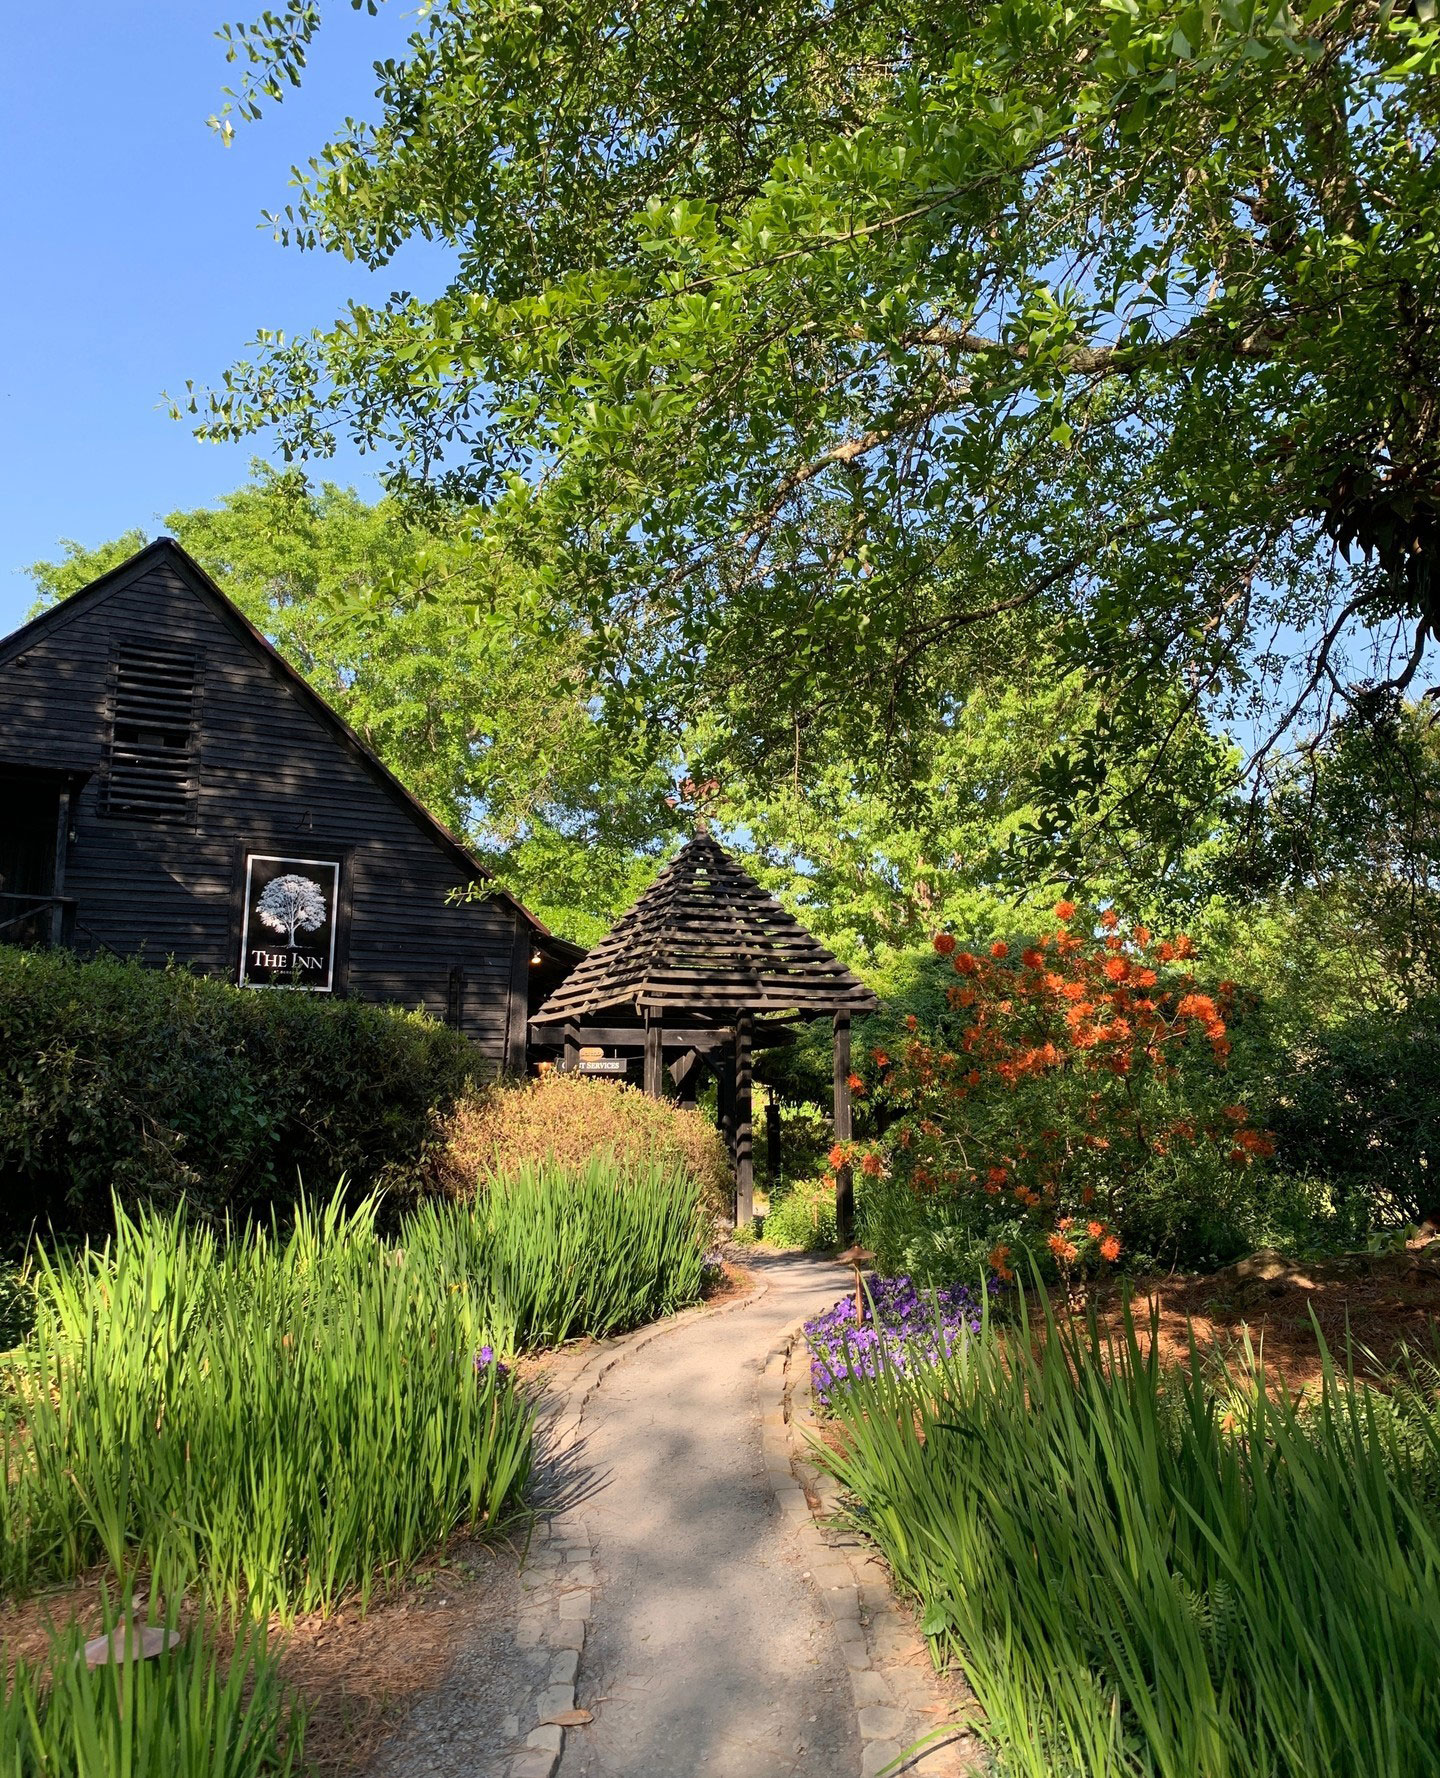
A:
(115, 1078)
(184, 1714)
(1356, 1107)
(802, 1215)
(1142, 1577)
(281, 1417)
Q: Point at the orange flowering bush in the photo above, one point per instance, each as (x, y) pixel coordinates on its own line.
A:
(1070, 1098)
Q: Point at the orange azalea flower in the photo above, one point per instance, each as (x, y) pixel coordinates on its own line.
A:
(1236, 1113)
(1110, 1248)
(1064, 1251)
(837, 1156)
(1031, 958)
(1165, 950)
(1142, 935)
(855, 1083)
(1116, 968)
(1065, 1224)
(1110, 918)
(881, 1059)
(911, 1022)
(996, 1175)
(870, 1165)
(999, 948)
(1197, 1006)
(944, 943)
(1094, 1230)
(965, 964)
(999, 1257)
(1064, 910)
(1146, 978)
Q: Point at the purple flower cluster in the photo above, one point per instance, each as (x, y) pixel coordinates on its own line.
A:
(907, 1327)
(488, 1366)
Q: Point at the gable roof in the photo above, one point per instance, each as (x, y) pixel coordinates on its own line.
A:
(706, 936)
(166, 551)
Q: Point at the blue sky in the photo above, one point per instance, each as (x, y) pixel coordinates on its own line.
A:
(133, 260)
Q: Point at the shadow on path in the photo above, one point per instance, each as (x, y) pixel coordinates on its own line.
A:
(707, 1653)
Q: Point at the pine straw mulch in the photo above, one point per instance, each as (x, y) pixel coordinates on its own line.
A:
(1375, 1303)
(356, 1675)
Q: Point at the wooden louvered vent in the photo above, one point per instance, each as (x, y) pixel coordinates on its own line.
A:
(154, 735)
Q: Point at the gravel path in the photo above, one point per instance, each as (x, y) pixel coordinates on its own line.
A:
(707, 1652)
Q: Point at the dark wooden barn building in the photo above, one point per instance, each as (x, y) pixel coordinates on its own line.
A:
(171, 788)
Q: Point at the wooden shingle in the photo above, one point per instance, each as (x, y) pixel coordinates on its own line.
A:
(705, 937)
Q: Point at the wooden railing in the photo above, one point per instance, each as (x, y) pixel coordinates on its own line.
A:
(40, 920)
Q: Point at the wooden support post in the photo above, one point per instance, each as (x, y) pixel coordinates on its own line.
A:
(844, 1178)
(572, 1050)
(654, 1056)
(725, 1102)
(776, 1170)
(57, 885)
(744, 1139)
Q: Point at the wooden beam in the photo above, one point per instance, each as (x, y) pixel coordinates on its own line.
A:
(675, 1037)
(744, 1135)
(572, 1050)
(844, 1178)
(654, 1059)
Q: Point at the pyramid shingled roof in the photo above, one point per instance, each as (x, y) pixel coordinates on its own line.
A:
(706, 937)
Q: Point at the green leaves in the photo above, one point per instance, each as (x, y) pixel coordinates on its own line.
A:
(1149, 1572)
(831, 362)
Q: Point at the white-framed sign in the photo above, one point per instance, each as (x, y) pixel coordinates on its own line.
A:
(287, 934)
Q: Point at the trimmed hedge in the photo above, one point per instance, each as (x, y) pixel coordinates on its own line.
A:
(152, 1083)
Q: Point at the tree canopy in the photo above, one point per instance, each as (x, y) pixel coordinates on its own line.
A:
(825, 359)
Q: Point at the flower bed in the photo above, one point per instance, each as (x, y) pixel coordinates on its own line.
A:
(903, 1327)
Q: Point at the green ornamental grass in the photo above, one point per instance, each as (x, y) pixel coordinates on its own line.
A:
(291, 1418)
(190, 1713)
(1145, 1575)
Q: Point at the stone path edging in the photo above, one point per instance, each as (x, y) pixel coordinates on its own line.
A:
(899, 1699)
(562, 1563)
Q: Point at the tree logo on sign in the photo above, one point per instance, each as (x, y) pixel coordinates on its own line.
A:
(292, 904)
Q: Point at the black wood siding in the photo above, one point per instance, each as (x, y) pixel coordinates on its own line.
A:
(274, 777)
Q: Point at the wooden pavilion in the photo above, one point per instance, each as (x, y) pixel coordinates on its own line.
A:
(706, 968)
